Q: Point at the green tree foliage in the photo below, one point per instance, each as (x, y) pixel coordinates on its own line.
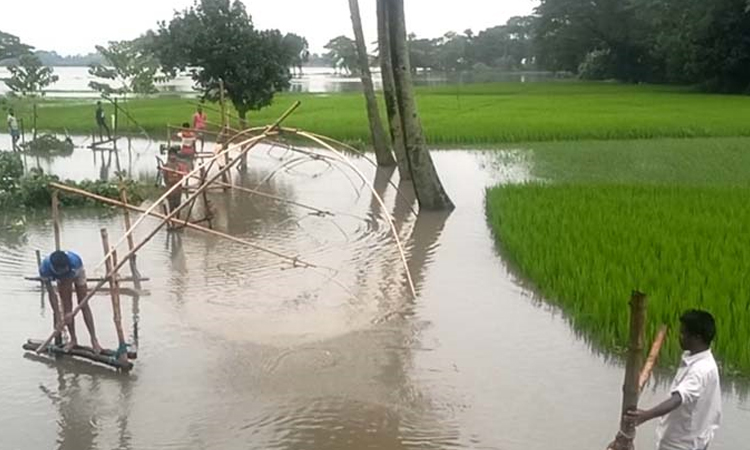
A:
(130, 68)
(506, 47)
(30, 77)
(11, 46)
(677, 41)
(342, 52)
(215, 40)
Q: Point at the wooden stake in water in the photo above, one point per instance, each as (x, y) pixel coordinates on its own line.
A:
(39, 264)
(56, 218)
(131, 244)
(631, 386)
(111, 266)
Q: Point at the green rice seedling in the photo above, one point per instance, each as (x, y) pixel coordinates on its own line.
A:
(586, 247)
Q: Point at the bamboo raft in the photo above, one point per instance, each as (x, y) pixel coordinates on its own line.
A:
(106, 356)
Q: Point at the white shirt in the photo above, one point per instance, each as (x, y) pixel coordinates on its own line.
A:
(692, 425)
(12, 122)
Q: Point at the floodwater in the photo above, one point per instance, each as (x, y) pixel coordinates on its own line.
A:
(74, 81)
(239, 350)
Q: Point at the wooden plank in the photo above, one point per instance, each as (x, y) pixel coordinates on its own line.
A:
(106, 357)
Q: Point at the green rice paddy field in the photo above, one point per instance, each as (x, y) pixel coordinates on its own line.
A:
(667, 217)
(468, 115)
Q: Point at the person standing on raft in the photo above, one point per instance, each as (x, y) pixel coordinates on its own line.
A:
(67, 269)
(692, 414)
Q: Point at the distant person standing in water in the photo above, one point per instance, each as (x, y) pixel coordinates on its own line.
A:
(187, 144)
(13, 129)
(101, 121)
(692, 414)
(67, 269)
(199, 124)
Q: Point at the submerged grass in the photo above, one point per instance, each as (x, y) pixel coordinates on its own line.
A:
(471, 114)
(585, 247)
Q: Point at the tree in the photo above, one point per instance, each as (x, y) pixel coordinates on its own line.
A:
(11, 46)
(430, 192)
(130, 68)
(342, 52)
(568, 30)
(215, 40)
(395, 124)
(30, 77)
(379, 142)
(298, 47)
(424, 53)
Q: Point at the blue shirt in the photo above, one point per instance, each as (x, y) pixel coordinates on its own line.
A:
(76, 265)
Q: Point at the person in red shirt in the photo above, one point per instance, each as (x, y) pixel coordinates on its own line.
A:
(200, 120)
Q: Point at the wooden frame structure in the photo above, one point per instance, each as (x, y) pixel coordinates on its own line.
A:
(232, 152)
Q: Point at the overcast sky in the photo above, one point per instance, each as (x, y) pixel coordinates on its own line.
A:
(75, 26)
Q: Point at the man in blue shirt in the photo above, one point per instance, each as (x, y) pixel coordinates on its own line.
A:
(67, 269)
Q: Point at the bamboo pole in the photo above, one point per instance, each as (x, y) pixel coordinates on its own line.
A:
(297, 132)
(115, 127)
(175, 127)
(131, 243)
(114, 285)
(633, 366)
(380, 201)
(56, 219)
(318, 211)
(95, 279)
(653, 356)
(291, 259)
(247, 147)
(224, 126)
(39, 265)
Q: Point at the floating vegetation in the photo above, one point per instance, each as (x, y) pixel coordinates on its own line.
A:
(48, 145)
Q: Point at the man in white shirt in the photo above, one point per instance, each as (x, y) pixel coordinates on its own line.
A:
(13, 129)
(692, 414)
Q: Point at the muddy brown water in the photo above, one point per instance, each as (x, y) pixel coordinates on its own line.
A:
(239, 350)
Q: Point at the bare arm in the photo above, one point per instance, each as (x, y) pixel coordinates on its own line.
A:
(664, 408)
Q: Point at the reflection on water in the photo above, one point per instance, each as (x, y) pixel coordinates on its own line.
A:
(239, 350)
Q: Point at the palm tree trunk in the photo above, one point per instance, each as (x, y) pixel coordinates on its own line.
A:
(395, 124)
(380, 143)
(430, 192)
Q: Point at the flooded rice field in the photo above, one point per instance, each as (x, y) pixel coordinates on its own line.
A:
(238, 349)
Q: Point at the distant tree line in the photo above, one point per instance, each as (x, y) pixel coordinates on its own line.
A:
(53, 59)
(695, 42)
(698, 42)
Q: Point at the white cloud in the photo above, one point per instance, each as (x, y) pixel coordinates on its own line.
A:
(75, 26)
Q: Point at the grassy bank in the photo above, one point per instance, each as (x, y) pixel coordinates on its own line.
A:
(472, 114)
(668, 217)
